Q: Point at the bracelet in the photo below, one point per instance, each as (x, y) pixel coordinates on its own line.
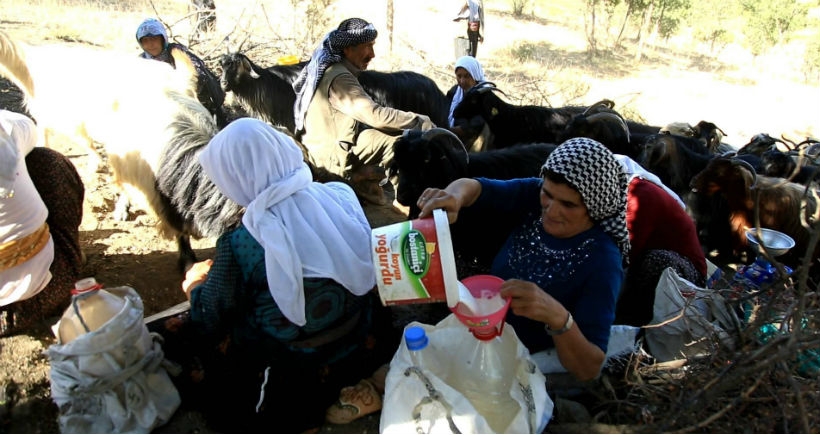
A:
(567, 326)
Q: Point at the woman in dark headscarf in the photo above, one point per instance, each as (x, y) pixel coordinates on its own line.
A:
(566, 243)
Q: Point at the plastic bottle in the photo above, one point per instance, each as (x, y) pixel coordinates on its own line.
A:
(91, 307)
(421, 353)
(483, 369)
(751, 278)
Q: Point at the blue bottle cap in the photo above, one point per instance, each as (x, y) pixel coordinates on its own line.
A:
(416, 338)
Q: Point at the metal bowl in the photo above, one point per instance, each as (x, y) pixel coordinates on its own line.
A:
(776, 243)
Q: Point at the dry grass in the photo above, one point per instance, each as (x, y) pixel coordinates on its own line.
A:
(541, 59)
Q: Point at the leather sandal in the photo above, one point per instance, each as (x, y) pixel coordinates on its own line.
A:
(354, 402)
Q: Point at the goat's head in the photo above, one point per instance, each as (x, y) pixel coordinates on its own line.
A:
(710, 134)
(733, 177)
(759, 144)
(480, 100)
(661, 155)
(606, 126)
(236, 68)
(433, 158)
(775, 163)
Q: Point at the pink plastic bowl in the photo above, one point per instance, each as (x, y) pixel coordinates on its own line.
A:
(483, 287)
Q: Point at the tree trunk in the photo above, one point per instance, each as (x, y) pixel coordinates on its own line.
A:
(647, 20)
(390, 26)
(623, 25)
(590, 31)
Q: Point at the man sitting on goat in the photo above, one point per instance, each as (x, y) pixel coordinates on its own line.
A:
(153, 40)
(343, 129)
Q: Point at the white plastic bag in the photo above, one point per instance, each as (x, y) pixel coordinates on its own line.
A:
(425, 403)
(688, 320)
(112, 380)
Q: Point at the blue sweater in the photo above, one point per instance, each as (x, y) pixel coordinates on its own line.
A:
(583, 272)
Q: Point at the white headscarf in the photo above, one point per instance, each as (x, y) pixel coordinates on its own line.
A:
(308, 229)
(472, 66)
(18, 136)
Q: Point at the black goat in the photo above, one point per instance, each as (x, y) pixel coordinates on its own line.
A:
(512, 124)
(776, 163)
(263, 93)
(674, 159)
(268, 94)
(437, 157)
(605, 125)
(759, 144)
(710, 134)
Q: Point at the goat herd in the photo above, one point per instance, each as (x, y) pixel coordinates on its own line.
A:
(151, 126)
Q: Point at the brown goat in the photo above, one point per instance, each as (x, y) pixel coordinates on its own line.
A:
(781, 205)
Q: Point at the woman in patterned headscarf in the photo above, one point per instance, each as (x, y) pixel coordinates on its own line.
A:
(566, 243)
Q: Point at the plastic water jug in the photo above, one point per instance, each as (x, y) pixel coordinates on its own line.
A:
(91, 307)
(422, 354)
(484, 370)
(484, 362)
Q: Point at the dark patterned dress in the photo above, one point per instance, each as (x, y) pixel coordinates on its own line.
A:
(61, 188)
(246, 346)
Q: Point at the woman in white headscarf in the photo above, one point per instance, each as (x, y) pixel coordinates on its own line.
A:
(290, 286)
(468, 75)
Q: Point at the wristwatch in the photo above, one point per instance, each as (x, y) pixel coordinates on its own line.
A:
(565, 328)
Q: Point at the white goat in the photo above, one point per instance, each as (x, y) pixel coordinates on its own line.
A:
(120, 101)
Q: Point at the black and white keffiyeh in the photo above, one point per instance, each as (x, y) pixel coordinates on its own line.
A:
(352, 31)
(600, 179)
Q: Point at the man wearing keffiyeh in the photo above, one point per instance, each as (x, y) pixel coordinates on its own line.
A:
(343, 129)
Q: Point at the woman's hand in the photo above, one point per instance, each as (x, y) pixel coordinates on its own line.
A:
(530, 301)
(580, 357)
(460, 193)
(196, 275)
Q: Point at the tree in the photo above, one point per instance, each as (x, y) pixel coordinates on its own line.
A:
(712, 28)
(771, 22)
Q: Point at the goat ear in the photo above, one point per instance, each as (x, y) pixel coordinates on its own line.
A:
(747, 172)
(246, 66)
(185, 67)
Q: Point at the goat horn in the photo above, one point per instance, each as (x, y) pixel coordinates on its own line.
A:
(608, 104)
(483, 87)
(749, 167)
(438, 131)
(614, 117)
